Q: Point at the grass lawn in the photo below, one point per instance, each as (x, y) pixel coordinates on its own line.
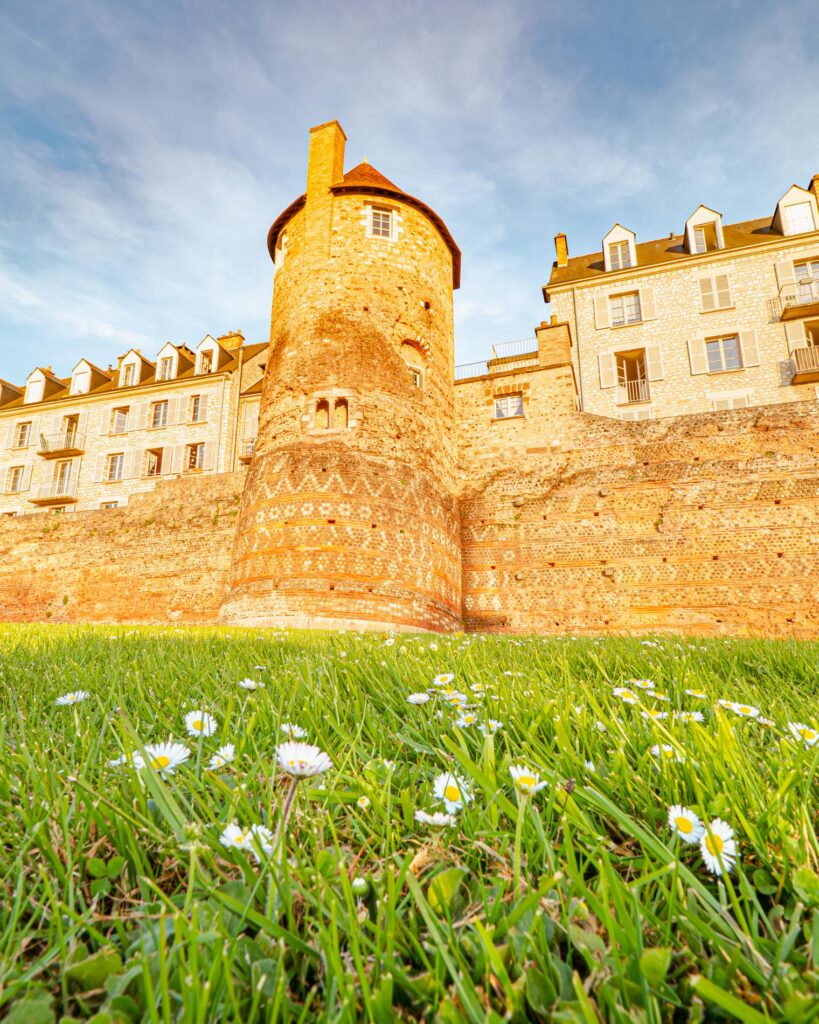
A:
(127, 896)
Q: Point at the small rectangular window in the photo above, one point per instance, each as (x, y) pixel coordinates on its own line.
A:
(159, 414)
(113, 467)
(205, 362)
(507, 406)
(196, 409)
(110, 504)
(723, 354)
(62, 478)
(165, 368)
(381, 224)
(799, 218)
(196, 456)
(119, 420)
(22, 434)
(129, 375)
(625, 309)
(14, 479)
(700, 243)
(153, 462)
(620, 255)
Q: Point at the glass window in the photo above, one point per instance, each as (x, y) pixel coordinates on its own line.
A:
(700, 244)
(62, 477)
(109, 504)
(119, 420)
(382, 223)
(129, 375)
(165, 368)
(205, 362)
(14, 479)
(196, 408)
(619, 255)
(159, 414)
(723, 354)
(196, 456)
(113, 467)
(22, 434)
(508, 405)
(625, 309)
(153, 462)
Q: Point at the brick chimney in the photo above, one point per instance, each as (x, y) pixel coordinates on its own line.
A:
(231, 341)
(562, 249)
(325, 162)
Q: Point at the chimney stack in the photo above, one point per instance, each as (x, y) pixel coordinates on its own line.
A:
(562, 249)
(325, 161)
(814, 186)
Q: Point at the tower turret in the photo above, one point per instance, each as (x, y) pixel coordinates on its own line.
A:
(348, 516)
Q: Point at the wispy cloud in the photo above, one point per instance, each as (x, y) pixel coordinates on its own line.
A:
(147, 147)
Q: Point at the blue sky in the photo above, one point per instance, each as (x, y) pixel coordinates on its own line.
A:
(148, 146)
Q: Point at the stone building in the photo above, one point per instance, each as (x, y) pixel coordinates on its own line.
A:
(387, 488)
(720, 316)
(95, 438)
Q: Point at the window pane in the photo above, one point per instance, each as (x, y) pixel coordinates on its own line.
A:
(618, 317)
(632, 306)
(714, 352)
(730, 348)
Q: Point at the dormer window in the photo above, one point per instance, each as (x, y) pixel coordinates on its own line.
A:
(205, 361)
(700, 243)
(619, 255)
(165, 368)
(35, 389)
(799, 218)
(81, 382)
(129, 375)
(703, 230)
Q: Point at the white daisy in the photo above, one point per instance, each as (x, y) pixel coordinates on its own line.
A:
(72, 698)
(200, 723)
(224, 755)
(250, 684)
(641, 684)
(234, 837)
(363, 802)
(665, 752)
(302, 759)
(657, 696)
(164, 758)
(654, 714)
(805, 733)
(418, 698)
(293, 732)
(717, 847)
(466, 719)
(490, 727)
(745, 710)
(629, 696)
(455, 699)
(260, 842)
(436, 820)
(443, 679)
(689, 716)
(453, 790)
(685, 823)
(699, 694)
(526, 779)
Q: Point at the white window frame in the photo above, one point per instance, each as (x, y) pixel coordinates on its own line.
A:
(721, 342)
(15, 474)
(152, 453)
(165, 368)
(129, 375)
(508, 407)
(161, 404)
(114, 465)
(618, 302)
(382, 222)
(22, 441)
(109, 504)
(206, 361)
(195, 457)
(616, 250)
(125, 410)
(195, 409)
(78, 379)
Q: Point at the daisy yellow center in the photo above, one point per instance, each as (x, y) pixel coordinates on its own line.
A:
(452, 793)
(684, 825)
(297, 764)
(526, 780)
(807, 734)
(199, 725)
(714, 844)
(161, 762)
(668, 753)
(627, 694)
(744, 709)
(240, 838)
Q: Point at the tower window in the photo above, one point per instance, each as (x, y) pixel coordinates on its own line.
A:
(322, 414)
(381, 223)
(416, 376)
(341, 414)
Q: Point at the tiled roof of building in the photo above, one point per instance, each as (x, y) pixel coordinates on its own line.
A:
(366, 174)
(661, 251)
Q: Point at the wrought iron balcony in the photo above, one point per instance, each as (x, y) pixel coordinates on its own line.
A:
(246, 450)
(58, 492)
(630, 392)
(66, 443)
(805, 365)
(796, 300)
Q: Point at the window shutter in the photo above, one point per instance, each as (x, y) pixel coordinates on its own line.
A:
(142, 414)
(749, 348)
(178, 456)
(203, 407)
(167, 459)
(170, 416)
(10, 435)
(608, 369)
(654, 362)
(99, 476)
(722, 286)
(795, 334)
(697, 355)
(785, 276)
(648, 305)
(708, 299)
(128, 461)
(25, 482)
(207, 459)
(601, 311)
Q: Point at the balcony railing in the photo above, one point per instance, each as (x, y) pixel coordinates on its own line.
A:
(805, 365)
(56, 493)
(67, 442)
(507, 349)
(631, 391)
(793, 299)
(246, 449)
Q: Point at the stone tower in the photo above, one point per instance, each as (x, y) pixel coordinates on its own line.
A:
(349, 517)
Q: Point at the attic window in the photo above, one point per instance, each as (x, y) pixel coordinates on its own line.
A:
(619, 255)
(205, 361)
(34, 391)
(165, 368)
(129, 375)
(81, 382)
(799, 218)
(700, 242)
